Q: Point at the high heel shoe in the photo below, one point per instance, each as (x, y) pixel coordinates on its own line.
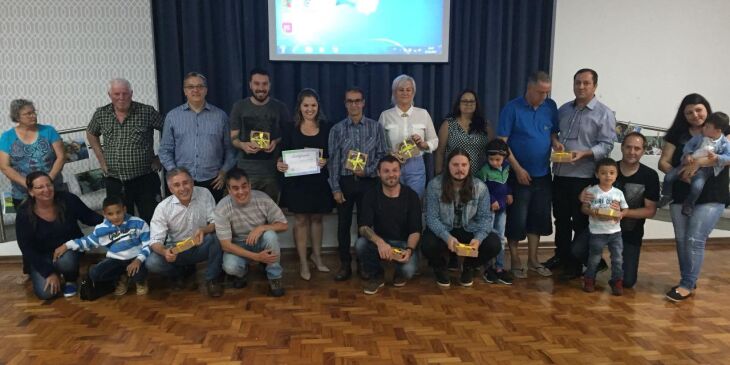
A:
(318, 263)
(304, 271)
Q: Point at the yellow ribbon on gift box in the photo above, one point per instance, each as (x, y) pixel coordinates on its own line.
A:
(357, 163)
(260, 140)
(406, 149)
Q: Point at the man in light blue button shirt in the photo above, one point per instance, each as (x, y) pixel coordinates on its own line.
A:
(587, 131)
(197, 136)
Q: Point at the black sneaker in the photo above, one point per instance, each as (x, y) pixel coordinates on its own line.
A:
(276, 289)
(238, 283)
(490, 275)
(373, 286)
(687, 209)
(674, 295)
(442, 278)
(504, 277)
(664, 200)
(467, 277)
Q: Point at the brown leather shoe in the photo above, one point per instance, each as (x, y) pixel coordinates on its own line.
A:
(215, 289)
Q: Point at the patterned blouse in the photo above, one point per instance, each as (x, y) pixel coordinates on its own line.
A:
(475, 144)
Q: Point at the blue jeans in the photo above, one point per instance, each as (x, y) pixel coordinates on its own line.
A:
(110, 269)
(413, 175)
(596, 243)
(632, 250)
(697, 183)
(530, 211)
(369, 256)
(209, 250)
(691, 234)
(238, 266)
(66, 265)
(500, 219)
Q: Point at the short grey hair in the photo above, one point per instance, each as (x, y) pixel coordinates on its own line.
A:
(397, 82)
(195, 74)
(177, 171)
(15, 107)
(537, 77)
(119, 80)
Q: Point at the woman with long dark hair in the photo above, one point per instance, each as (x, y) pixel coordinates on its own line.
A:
(465, 128)
(46, 220)
(308, 196)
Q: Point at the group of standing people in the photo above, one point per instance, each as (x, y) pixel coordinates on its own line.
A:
(492, 188)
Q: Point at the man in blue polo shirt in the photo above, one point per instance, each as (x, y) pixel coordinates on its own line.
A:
(529, 125)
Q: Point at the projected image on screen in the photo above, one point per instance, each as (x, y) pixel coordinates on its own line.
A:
(359, 30)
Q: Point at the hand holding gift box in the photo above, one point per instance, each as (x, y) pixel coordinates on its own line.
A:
(356, 160)
(406, 150)
(466, 250)
(261, 139)
(183, 245)
(561, 157)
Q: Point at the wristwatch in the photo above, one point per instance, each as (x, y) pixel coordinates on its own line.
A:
(409, 248)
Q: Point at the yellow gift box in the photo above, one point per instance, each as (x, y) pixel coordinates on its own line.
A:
(561, 157)
(183, 246)
(607, 213)
(406, 149)
(262, 139)
(356, 160)
(398, 254)
(466, 250)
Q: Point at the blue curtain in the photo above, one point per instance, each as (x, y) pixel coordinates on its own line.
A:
(494, 45)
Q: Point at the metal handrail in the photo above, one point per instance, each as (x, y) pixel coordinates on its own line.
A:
(3, 236)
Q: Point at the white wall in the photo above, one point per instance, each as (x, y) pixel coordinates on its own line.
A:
(61, 53)
(649, 54)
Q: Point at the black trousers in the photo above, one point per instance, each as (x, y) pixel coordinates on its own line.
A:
(568, 217)
(142, 192)
(436, 250)
(353, 189)
(208, 184)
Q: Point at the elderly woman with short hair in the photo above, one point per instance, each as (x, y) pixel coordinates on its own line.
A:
(405, 122)
(28, 147)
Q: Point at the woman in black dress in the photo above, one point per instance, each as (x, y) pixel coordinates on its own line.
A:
(307, 196)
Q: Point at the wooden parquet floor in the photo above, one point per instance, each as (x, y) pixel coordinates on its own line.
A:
(535, 321)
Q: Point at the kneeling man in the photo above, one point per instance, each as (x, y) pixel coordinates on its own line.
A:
(390, 219)
(246, 222)
(188, 213)
(458, 210)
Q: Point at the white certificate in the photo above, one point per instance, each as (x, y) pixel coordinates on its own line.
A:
(301, 162)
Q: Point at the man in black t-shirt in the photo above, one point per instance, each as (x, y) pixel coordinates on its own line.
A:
(390, 220)
(640, 185)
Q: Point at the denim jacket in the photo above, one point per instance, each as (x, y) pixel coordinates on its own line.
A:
(476, 215)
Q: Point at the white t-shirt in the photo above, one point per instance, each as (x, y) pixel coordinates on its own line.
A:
(603, 199)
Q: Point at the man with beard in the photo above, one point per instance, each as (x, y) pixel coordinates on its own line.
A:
(259, 112)
(390, 219)
(127, 158)
(458, 211)
(640, 185)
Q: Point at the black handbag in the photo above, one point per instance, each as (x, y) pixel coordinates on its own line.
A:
(90, 290)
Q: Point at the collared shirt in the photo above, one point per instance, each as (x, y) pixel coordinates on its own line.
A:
(528, 133)
(400, 125)
(173, 222)
(199, 142)
(128, 146)
(234, 221)
(367, 136)
(592, 127)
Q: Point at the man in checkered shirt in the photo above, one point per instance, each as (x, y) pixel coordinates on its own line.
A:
(127, 158)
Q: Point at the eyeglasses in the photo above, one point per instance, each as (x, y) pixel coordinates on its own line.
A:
(468, 102)
(353, 101)
(193, 87)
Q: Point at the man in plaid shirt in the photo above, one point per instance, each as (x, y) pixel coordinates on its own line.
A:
(127, 158)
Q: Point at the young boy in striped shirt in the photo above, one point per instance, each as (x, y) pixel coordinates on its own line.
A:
(127, 239)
